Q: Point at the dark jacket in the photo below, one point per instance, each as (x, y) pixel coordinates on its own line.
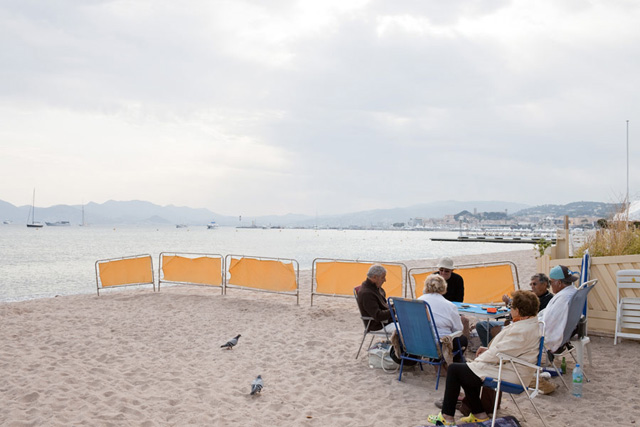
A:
(455, 288)
(544, 300)
(372, 302)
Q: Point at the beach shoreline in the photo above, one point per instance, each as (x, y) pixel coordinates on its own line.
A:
(141, 358)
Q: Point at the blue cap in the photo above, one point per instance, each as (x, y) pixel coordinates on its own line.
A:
(560, 272)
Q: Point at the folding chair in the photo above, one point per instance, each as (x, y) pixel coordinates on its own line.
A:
(576, 325)
(628, 312)
(418, 333)
(500, 385)
(366, 320)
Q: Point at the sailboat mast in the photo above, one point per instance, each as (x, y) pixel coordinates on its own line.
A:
(33, 207)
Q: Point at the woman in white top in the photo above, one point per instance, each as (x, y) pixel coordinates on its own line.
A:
(445, 313)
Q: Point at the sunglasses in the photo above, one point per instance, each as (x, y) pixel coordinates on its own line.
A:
(444, 270)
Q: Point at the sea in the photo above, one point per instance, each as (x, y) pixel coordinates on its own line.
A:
(52, 261)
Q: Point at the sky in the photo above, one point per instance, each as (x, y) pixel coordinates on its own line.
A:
(318, 107)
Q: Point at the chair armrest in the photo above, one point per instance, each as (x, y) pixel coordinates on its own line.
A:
(453, 335)
(506, 357)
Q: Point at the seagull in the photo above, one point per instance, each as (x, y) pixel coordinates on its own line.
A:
(231, 343)
(256, 385)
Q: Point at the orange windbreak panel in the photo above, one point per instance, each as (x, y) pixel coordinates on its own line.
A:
(339, 278)
(482, 285)
(262, 274)
(126, 271)
(201, 270)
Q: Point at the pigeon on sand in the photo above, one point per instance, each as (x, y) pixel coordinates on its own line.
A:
(256, 385)
(231, 343)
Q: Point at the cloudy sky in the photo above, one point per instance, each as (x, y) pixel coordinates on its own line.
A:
(268, 107)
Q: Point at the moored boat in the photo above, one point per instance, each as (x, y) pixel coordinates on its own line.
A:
(32, 214)
(58, 224)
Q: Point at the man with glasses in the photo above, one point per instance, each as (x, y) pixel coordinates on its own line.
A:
(539, 285)
(455, 283)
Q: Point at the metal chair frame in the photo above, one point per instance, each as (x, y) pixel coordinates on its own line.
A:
(366, 320)
(511, 388)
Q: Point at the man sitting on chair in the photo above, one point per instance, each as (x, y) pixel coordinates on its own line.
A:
(455, 282)
(555, 315)
(372, 300)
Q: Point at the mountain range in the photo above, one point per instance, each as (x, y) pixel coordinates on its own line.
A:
(142, 212)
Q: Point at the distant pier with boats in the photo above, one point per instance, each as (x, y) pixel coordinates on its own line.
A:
(501, 236)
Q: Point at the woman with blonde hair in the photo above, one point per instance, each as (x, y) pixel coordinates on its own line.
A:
(445, 313)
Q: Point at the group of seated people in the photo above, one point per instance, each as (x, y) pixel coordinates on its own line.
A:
(519, 336)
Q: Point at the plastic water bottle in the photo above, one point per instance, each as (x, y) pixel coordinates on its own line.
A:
(577, 381)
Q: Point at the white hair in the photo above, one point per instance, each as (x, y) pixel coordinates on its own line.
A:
(376, 270)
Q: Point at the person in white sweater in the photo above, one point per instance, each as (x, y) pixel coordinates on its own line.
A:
(445, 313)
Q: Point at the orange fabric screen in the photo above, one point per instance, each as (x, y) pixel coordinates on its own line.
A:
(339, 278)
(201, 270)
(482, 285)
(262, 274)
(126, 271)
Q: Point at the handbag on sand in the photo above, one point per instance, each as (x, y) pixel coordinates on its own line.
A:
(487, 397)
(380, 358)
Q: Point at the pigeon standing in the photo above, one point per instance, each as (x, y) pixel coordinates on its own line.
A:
(256, 385)
(231, 343)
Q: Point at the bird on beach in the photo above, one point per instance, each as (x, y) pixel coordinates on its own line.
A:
(231, 343)
(256, 385)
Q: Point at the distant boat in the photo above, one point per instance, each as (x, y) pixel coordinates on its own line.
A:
(212, 225)
(58, 224)
(181, 225)
(32, 214)
(6, 221)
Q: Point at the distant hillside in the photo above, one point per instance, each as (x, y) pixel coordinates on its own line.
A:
(574, 209)
(141, 212)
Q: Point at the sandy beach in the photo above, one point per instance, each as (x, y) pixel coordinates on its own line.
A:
(139, 358)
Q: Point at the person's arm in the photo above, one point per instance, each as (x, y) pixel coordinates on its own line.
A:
(461, 290)
(555, 320)
(508, 341)
(371, 307)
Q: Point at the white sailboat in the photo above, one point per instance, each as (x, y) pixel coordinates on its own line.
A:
(32, 214)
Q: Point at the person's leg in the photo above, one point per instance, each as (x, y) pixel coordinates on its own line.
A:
(472, 386)
(460, 343)
(483, 329)
(389, 328)
(456, 373)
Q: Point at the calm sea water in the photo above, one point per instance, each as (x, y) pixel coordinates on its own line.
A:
(40, 263)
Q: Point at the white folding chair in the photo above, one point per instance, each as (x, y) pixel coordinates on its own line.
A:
(628, 312)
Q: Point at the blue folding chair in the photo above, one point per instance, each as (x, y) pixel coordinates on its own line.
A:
(500, 385)
(418, 333)
(576, 327)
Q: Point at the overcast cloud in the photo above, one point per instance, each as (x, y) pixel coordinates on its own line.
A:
(270, 107)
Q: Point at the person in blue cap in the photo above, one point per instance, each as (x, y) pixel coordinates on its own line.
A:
(555, 315)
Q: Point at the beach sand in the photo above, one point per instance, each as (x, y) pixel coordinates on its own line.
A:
(138, 358)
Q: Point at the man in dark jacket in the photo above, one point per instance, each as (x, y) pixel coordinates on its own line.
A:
(372, 299)
(455, 283)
